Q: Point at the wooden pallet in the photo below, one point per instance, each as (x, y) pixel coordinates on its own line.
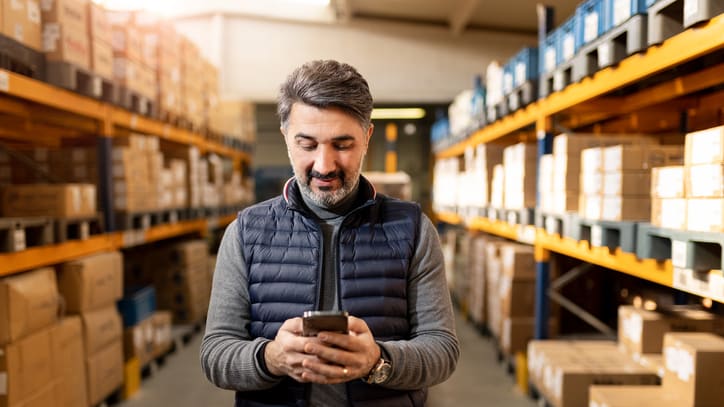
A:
(17, 234)
(78, 228)
(16, 57)
(136, 102)
(80, 80)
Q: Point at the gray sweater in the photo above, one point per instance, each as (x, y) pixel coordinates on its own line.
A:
(228, 352)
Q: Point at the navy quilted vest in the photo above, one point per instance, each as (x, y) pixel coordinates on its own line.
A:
(282, 246)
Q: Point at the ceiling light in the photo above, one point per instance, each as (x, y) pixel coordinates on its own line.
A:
(398, 113)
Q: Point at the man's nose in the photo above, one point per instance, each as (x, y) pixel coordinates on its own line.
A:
(324, 163)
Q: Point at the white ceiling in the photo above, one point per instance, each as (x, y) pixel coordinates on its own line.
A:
(458, 15)
(514, 16)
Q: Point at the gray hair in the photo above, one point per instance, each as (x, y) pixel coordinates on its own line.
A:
(324, 84)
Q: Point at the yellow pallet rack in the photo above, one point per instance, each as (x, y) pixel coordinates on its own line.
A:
(588, 103)
(37, 106)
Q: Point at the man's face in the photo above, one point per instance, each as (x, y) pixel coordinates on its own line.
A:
(326, 148)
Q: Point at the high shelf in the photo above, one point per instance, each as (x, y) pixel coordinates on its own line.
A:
(34, 112)
(667, 88)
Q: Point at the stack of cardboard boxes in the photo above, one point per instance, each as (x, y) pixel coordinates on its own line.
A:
(563, 371)
(66, 32)
(231, 118)
(616, 180)
(91, 286)
(691, 197)
(51, 200)
(477, 300)
(101, 37)
(192, 84)
(692, 363)
(136, 163)
(149, 338)
(41, 358)
(520, 162)
(130, 70)
(21, 21)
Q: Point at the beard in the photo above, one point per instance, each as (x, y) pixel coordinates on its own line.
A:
(325, 197)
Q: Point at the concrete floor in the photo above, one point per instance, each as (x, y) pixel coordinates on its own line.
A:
(478, 381)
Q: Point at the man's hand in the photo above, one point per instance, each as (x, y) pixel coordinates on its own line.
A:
(340, 358)
(329, 358)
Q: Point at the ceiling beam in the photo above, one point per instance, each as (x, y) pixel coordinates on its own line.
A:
(343, 10)
(460, 16)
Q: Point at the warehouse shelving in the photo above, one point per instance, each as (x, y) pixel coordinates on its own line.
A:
(38, 107)
(610, 101)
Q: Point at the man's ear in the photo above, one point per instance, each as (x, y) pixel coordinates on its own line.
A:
(369, 134)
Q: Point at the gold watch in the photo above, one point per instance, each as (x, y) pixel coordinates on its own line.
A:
(379, 373)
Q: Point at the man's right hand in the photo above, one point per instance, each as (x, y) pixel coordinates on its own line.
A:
(284, 355)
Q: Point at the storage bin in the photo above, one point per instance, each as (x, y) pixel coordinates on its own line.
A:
(525, 66)
(591, 20)
(566, 43)
(137, 304)
(618, 11)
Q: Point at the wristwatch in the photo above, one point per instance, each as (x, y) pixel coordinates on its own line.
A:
(379, 373)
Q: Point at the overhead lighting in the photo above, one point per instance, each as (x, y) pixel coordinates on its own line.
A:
(398, 113)
(317, 3)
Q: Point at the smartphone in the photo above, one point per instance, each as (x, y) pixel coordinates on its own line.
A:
(314, 322)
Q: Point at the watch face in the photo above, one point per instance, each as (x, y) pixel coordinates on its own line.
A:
(382, 373)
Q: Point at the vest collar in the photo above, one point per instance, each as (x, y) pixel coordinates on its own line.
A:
(292, 194)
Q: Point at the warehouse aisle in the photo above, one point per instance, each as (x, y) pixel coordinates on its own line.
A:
(478, 380)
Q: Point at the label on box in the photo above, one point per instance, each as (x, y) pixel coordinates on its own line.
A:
(16, 4)
(596, 235)
(690, 8)
(3, 383)
(679, 362)
(4, 82)
(520, 73)
(678, 253)
(569, 46)
(632, 327)
(591, 31)
(19, 239)
(33, 12)
(550, 59)
(621, 11)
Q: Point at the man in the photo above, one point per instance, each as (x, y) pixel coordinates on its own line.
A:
(329, 242)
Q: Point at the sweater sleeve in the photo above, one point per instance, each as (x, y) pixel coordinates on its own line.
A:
(431, 353)
(228, 353)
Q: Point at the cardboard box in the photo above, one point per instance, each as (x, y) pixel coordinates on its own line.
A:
(92, 282)
(632, 396)
(693, 366)
(592, 160)
(126, 42)
(618, 208)
(99, 27)
(138, 341)
(705, 181)
(565, 201)
(591, 183)
(127, 73)
(669, 212)
(162, 339)
(668, 182)
(590, 207)
(705, 214)
(68, 365)
(705, 146)
(56, 200)
(101, 59)
(627, 183)
(641, 331)
(566, 173)
(28, 303)
(105, 372)
(26, 365)
(21, 22)
(571, 144)
(101, 328)
(641, 157)
(517, 332)
(69, 13)
(65, 43)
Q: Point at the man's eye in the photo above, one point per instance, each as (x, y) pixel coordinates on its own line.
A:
(308, 147)
(343, 147)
